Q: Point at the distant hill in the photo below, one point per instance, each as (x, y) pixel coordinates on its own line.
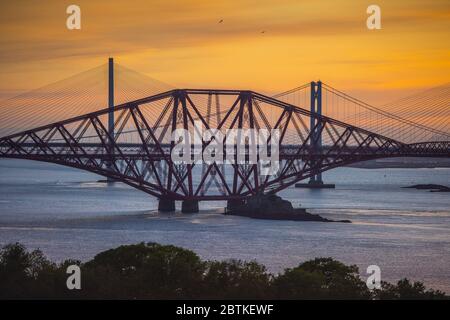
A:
(403, 163)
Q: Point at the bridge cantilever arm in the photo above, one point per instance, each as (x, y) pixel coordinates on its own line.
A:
(322, 118)
(94, 114)
(437, 148)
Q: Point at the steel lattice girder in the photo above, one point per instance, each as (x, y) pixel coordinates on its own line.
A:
(140, 152)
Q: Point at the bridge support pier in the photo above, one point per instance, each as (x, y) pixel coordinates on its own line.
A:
(189, 206)
(166, 205)
(233, 204)
(314, 184)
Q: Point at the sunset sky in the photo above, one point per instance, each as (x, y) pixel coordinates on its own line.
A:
(183, 43)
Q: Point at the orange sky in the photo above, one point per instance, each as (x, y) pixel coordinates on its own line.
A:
(182, 43)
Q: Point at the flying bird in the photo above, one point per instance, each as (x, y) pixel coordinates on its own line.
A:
(264, 31)
(221, 20)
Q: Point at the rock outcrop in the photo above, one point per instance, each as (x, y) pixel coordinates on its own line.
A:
(431, 187)
(272, 207)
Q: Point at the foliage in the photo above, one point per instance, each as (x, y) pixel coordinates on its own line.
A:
(321, 278)
(236, 279)
(26, 274)
(406, 290)
(144, 271)
(154, 271)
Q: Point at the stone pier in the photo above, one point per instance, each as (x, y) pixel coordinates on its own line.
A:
(189, 206)
(234, 204)
(166, 205)
(315, 185)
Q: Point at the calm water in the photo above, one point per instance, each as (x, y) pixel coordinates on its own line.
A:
(406, 232)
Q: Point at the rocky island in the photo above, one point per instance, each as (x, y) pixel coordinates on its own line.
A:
(272, 207)
(431, 187)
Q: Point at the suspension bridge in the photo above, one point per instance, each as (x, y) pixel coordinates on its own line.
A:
(118, 123)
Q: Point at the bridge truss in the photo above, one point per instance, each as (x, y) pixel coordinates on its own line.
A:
(138, 150)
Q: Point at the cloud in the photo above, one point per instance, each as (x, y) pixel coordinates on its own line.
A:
(183, 41)
(37, 31)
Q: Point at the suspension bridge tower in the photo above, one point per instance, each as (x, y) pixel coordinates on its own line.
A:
(111, 112)
(316, 182)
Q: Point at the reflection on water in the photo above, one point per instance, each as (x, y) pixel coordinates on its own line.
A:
(68, 213)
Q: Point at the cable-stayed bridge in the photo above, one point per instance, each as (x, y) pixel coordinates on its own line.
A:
(126, 135)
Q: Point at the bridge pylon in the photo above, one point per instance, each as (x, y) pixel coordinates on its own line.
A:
(316, 182)
(111, 113)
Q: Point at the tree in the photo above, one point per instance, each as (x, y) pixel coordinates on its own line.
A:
(154, 271)
(236, 279)
(24, 274)
(297, 283)
(144, 271)
(321, 278)
(404, 289)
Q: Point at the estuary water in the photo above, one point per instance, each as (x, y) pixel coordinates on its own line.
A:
(406, 232)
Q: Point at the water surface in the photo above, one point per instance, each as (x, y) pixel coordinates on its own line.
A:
(68, 214)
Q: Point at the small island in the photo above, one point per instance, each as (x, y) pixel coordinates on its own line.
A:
(272, 207)
(431, 187)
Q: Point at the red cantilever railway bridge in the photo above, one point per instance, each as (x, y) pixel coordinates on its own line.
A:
(131, 146)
